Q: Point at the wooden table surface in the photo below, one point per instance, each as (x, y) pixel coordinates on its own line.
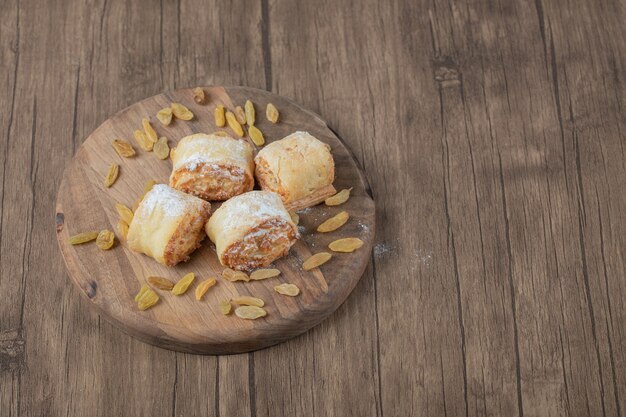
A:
(493, 136)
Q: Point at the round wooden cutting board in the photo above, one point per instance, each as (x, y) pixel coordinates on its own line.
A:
(110, 279)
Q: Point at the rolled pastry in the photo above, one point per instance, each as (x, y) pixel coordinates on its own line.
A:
(251, 230)
(212, 167)
(168, 225)
(295, 167)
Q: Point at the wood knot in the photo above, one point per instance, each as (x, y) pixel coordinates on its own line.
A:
(447, 72)
(60, 221)
(11, 351)
(92, 289)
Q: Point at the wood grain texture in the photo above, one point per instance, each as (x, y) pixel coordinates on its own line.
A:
(110, 279)
(492, 133)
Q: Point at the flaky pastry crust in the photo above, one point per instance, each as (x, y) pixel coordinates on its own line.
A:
(212, 167)
(251, 230)
(295, 166)
(168, 225)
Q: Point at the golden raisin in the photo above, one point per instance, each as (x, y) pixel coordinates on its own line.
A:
(165, 116)
(105, 239)
(248, 301)
(143, 141)
(161, 148)
(203, 287)
(250, 312)
(334, 222)
(287, 289)
(146, 298)
(316, 260)
(114, 170)
(181, 112)
(81, 238)
(348, 244)
(250, 113)
(183, 285)
(232, 275)
(256, 135)
(151, 134)
(122, 228)
(260, 274)
(123, 148)
(220, 118)
(240, 115)
(144, 288)
(339, 198)
(271, 112)
(161, 283)
(125, 213)
(234, 124)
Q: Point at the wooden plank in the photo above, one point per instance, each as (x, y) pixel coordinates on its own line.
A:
(476, 208)
(196, 388)
(11, 363)
(236, 386)
(590, 92)
(538, 164)
(538, 200)
(18, 209)
(419, 310)
(10, 322)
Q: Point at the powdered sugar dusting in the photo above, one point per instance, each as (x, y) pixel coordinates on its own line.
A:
(254, 205)
(423, 257)
(172, 202)
(417, 257)
(382, 249)
(211, 149)
(193, 162)
(363, 228)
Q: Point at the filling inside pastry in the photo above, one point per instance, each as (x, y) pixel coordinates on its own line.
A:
(168, 225)
(265, 243)
(268, 179)
(185, 240)
(212, 181)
